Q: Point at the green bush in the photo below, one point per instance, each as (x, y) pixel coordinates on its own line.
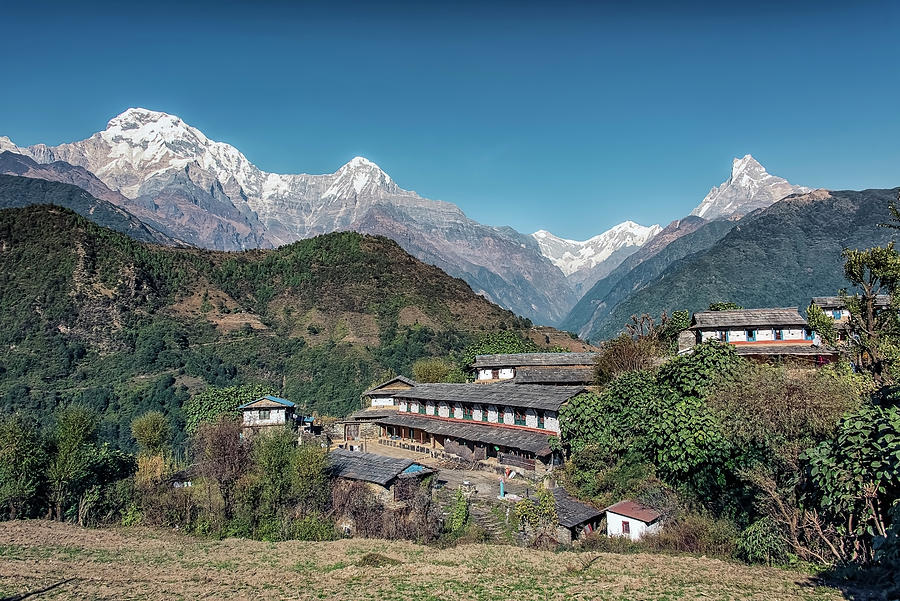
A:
(693, 533)
(762, 542)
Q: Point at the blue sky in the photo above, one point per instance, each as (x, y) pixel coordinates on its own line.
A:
(534, 115)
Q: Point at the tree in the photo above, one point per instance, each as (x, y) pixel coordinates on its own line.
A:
(724, 306)
(498, 343)
(22, 460)
(821, 324)
(69, 468)
(215, 402)
(273, 456)
(874, 271)
(222, 455)
(855, 478)
(622, 355)
(152, 432)
(436, 369)
(312, 483)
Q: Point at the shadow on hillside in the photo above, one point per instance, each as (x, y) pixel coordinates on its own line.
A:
(40, 591)
(862, 584)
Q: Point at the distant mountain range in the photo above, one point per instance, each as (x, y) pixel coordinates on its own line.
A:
(188, 189)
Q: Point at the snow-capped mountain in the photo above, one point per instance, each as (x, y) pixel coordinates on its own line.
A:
(586, 262)
(209, 194)
(749, 188)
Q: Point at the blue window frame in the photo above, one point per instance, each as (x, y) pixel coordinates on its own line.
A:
(727, 335)
(809, 334)
(836, 314)
(779, 334)
(751, 335)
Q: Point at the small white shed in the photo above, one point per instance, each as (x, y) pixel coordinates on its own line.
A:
(631, 519)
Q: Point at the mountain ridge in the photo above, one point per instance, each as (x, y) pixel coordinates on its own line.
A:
(210, 195)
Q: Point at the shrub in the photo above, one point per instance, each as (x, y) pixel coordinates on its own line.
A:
(693, 533)
(762, 542)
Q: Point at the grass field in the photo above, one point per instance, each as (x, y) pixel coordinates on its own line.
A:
(157, 564)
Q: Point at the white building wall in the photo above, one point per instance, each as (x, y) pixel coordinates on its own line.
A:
(443, 409)
(531, 418)
(429, 408)
(477, 412)
(551, 421)
(414, 407)
(403, 406)
(382, 400)
(493, 414)
(505, 373)
(276, 417)
(637, 527)
(508, 416)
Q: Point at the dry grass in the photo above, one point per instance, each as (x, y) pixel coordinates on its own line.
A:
(155, 564)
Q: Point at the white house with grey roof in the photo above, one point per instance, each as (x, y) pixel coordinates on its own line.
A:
(758, 333)
(536, 368)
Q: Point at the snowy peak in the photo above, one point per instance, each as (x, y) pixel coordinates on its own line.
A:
(359, 176)
(572, 256)
(750, 187)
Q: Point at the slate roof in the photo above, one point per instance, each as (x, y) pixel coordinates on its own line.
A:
(368, 467)
(571, 511)
(636, 511)
(402, 379)
(783, 348)
(522, 359)
(554, 375)
(533, 442)
(273, 399)
(836, 302)
(368, 415)
(747, 318)
(505, 394)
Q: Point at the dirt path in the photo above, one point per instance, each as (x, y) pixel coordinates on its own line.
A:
(126, 564)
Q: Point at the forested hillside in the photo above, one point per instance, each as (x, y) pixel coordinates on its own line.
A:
(93, 316)
(16, 192)
(589, 316)
(778, 257)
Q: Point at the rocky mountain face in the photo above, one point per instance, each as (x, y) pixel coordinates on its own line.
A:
(586, 262)
(749, 188)
(209, 194)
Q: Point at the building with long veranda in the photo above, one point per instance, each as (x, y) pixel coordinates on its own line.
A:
(503, 424)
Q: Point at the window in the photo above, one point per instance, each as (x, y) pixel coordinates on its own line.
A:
(727, 335)
(751, 335)
(467, 412)
(626, 527)
(809, 334)
(484, 413)
(779, 334)
(264, 414)
(519, 417)
(422, 408)
(495, 374)
(836, 314)
(541, 420)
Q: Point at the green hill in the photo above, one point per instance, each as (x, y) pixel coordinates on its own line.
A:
(93, 316)
(777, 257)
(16, 192)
